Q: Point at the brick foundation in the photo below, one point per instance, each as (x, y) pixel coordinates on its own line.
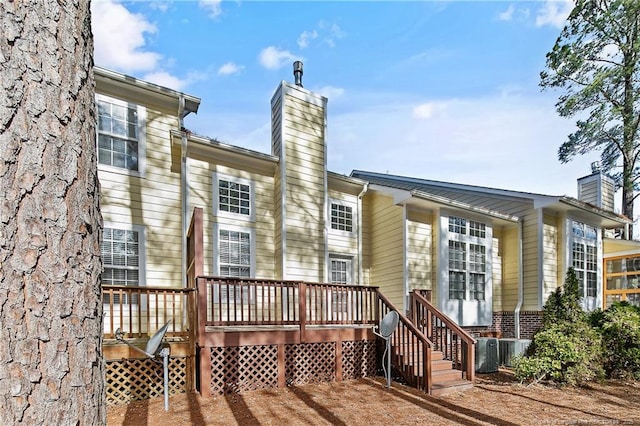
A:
(502, 325)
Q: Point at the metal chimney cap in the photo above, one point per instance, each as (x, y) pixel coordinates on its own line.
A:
(297, 72)
(595, 167)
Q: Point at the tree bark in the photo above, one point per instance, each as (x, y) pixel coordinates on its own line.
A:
(51, 368)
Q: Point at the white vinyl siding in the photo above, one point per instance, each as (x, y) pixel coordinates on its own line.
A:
(120, 133)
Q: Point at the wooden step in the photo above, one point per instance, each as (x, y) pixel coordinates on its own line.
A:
(441, 364)
(439, 389)
(442, 376)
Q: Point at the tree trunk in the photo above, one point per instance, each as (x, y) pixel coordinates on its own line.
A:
(51, 368)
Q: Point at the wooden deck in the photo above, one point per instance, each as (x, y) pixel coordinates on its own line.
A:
(235, 334)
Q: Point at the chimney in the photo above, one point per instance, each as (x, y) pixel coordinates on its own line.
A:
(297, 73)
(598, 188)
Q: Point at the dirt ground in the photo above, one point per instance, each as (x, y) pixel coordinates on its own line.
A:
(497, 399)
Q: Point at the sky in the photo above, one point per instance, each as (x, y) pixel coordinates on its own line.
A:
(445, 90)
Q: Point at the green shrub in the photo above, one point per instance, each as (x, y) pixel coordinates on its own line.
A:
(621, 341)
(567, 349)
(567, 353)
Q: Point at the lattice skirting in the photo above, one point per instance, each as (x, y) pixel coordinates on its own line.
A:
(359, 359)
(136, 379)
(244, 368)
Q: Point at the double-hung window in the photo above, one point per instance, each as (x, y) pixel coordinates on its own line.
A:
(120, 134)
(584, 257)
(121, 251)
(340, 273)
(235, 259)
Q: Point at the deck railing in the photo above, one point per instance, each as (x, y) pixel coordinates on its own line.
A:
(238, 301)
(411, 349)
(140, 311)
(456, 344)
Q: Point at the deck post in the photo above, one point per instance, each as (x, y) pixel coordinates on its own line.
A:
(282, 379)
(302, 300)
(204, 367)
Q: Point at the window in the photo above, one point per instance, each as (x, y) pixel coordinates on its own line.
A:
(234, 259)
(340, 274)
(234, 197)
(341, 217)
(121, 259)
(467, 259)
(235, 253)
(340, 270)
(119, 134)
(584, 257)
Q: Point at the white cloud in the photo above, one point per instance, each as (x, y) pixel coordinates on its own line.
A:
(119, 37)
(212, 7)
(273, 58)
(330, 92)
(303, 39)
(166, 79)
(507, 15)
(427, 110)
(162, 6)
(230, 68)
(554, 13)
(163, 78)
(477, 141)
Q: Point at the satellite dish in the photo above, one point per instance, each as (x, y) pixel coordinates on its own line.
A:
(389, 324)
(156, 340)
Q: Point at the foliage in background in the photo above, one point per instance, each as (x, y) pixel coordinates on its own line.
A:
(596, 61)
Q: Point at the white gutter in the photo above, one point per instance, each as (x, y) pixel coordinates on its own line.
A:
(516, 311)
(365, 188)
(183, 189)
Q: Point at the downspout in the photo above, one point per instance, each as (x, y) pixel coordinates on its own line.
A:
(360, 195)
(405, 266)
(516, 312)
(183, 189)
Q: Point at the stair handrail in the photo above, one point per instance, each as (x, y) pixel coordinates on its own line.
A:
(415, 331)
(468, 342)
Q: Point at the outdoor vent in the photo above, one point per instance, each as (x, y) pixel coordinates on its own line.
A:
(487, 360)
(297, 72)
(510, 348)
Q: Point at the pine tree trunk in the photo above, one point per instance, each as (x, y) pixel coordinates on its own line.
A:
(51, 368)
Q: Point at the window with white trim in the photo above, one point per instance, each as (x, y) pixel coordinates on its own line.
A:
(340, 273)
(121, 259)
(235, 253)
(584, 257)
(119, 133)
(341, 217)
(235, 259)
(341, 270)
(234, 197)
(467, 259)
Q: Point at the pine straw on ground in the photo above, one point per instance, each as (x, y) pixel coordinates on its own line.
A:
(497, 399)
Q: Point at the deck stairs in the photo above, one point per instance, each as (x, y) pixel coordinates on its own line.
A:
(427, 335)
(445, 378)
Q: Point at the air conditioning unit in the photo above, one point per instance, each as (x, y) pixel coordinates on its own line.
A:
(510, 348)
(486, 355)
